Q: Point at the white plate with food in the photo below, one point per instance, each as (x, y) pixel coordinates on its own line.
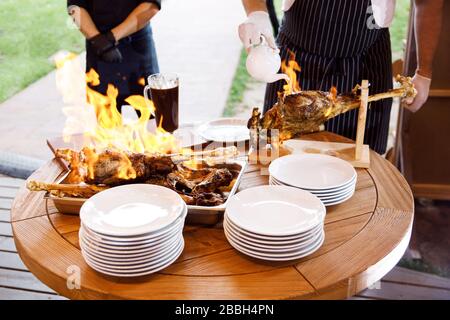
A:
(225, 130)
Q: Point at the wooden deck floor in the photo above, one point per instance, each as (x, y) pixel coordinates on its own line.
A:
(16, 282)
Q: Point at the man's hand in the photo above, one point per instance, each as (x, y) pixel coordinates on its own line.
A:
(257, 25)
(422, 85)
(104, 46)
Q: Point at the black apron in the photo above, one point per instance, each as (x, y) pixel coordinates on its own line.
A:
(336, 45)
(139, 61)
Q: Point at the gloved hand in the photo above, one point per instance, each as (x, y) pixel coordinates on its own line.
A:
(104, 46)
(257, 25)
(422, 85)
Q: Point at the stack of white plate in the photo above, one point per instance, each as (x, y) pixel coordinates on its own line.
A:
(276, 223)
(331, 179)
(132, 230)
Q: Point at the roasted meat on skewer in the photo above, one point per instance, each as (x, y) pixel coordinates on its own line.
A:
(112, 167)
(306, 111)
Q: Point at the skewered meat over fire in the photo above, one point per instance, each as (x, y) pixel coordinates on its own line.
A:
(113, 167)
(206, 185)
(306, 111)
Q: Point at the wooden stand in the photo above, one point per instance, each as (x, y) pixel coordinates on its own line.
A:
(358, 153)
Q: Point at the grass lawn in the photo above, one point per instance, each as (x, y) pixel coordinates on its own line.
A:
(242, 78)
(30, 32)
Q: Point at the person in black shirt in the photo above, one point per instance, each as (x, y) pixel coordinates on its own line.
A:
(119, 42)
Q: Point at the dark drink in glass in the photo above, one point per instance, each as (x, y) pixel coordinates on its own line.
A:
(164, 94)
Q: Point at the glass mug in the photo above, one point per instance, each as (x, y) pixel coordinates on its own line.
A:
(164, 94)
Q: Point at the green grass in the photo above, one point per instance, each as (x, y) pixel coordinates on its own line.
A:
(399, 27)
(240, 82)
(421, 266)
(30, 32)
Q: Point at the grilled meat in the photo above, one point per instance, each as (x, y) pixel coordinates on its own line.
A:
(306, 111)
(213, 181)
(113, 168)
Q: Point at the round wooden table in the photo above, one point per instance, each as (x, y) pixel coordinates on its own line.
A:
(364, 239)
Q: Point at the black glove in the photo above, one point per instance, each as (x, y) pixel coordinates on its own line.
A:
(104, 46)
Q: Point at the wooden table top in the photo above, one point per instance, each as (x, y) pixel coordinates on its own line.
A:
(364, 239)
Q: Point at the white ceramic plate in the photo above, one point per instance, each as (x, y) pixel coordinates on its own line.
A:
(337, 196)
(121, 246)
(333, 203)
(273, 239)
(225, 130)
(246, 242)
(130, 263)
(150, 254)
(351, 183)
(272, 257)
(312, 171)
(275, 210)
(153, 247)
(111, 240)
(132, 210)
(140, 272)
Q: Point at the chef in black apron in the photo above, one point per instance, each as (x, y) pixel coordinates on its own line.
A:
(336, 43)
(119, 42)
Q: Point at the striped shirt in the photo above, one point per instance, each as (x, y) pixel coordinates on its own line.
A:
(337, 44)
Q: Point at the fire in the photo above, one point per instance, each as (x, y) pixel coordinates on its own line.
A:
(108, 130)
(291, 67)
(112, 133)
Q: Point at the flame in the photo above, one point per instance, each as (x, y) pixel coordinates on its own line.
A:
(333, 97)
(291, 67)
(112, 133)
(109, 130)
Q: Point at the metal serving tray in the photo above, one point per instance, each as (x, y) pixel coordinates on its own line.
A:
(196, 214)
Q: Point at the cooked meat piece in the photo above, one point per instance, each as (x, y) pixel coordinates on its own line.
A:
(214, 180)
(177, 182)
(188, 199)
(158, 180)
(113, 168)
(306, 111)
(194, 175)
(209, 199)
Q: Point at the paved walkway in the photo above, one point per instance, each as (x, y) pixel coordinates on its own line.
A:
(196, 39)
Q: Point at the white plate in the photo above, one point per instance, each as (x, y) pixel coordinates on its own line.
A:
(141, 272)
(273, 239)
(225, 130)
(245, 241)
(121, 246)
(328, 204)
(332, 197)
(150, 254)
(312, 171)
(274, 252)
(138, 262)
(253, 254)
(275, 210)
(132, 210)
(132, 241)
(351, 183)
(148, 248)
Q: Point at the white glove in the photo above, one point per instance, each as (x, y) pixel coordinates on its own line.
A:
(257, 25)
(287, 4)
(383, 12)
(422, 85)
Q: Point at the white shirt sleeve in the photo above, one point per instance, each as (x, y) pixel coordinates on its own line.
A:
(383, 12)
